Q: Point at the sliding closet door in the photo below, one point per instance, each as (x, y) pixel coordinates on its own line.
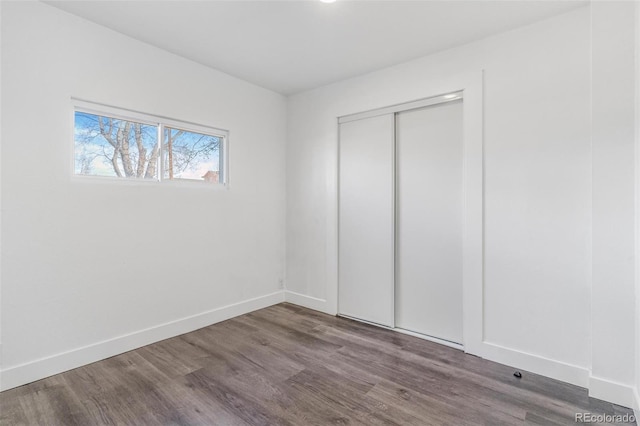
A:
(366, 237)
(429, 221)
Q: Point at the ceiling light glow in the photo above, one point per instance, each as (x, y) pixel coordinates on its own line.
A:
(328, 1)
(451, 96)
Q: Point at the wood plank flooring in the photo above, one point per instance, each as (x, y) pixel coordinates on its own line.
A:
(287, 365)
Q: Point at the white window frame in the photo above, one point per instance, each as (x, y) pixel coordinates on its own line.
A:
(80, 105)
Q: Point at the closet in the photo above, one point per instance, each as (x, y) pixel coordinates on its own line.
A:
(401, 217)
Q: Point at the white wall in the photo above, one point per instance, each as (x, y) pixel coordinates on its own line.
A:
(0, 187)
(613, 306)
(84, 264)
(538, 203)
(637, 215)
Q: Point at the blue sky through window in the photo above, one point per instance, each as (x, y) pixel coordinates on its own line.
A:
(106, 146)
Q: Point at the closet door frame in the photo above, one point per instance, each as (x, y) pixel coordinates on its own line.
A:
(470, 88)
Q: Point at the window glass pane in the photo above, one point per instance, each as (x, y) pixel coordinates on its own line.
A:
(106, 146)
(190, 155)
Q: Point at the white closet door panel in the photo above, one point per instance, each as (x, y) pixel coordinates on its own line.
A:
(366, 240)
(429, 221)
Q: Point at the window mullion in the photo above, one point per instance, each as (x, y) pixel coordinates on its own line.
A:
(160, 151)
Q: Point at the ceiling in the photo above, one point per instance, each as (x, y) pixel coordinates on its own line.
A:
(296, 45)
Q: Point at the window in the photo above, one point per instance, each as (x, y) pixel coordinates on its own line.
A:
(107, 146)
(191, 155)
(123, 144)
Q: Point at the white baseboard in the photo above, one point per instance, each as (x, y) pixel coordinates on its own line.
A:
(39, 369)
(606, 390)
(618, 393)
(547, 367)
(307, 302)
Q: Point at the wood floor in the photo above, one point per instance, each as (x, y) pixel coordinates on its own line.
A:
(293, 366)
